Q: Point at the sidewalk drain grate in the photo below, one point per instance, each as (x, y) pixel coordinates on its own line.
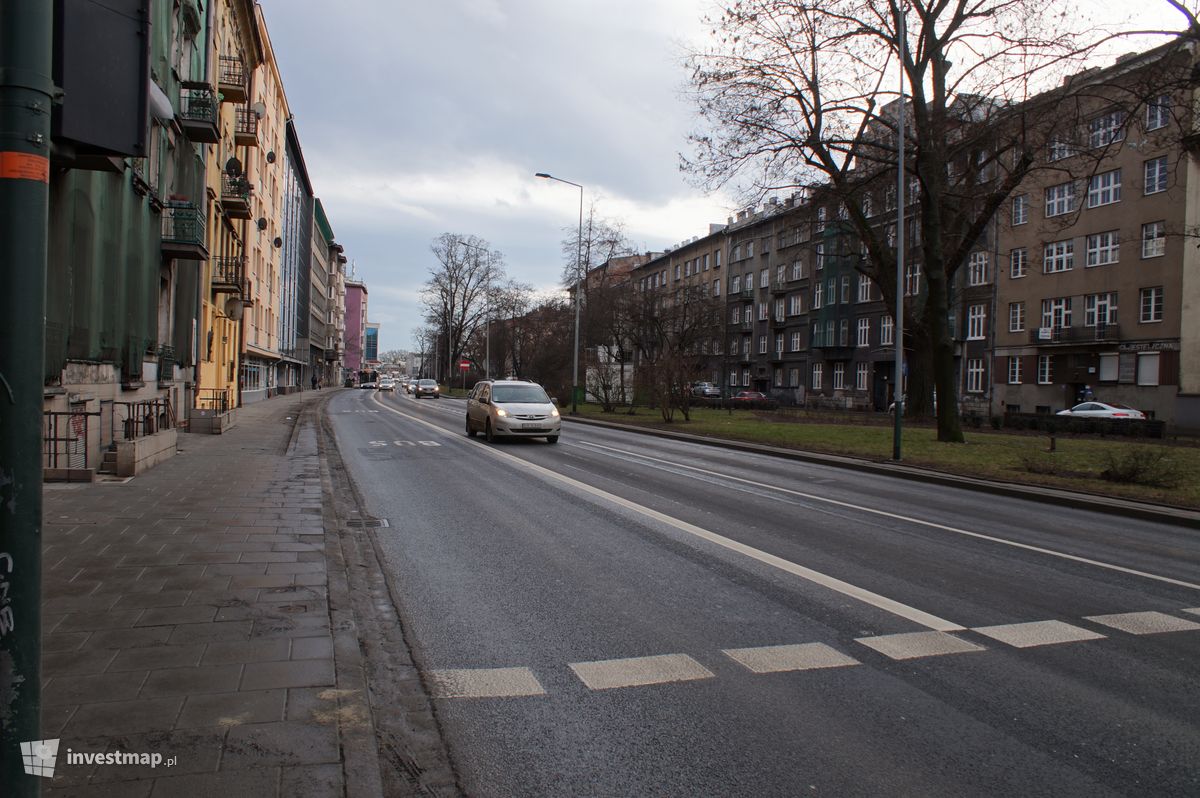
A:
(374, 523)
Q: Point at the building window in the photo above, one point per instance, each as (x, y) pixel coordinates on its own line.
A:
(746, 345)
(866, 206)
(839, 376)
(735, 283)
(764, 278)
(977, 269)
(1014, 370)
(1154, 239)
(1060, 199)
(1058, 257)
(1103, 248)
(887, 329)
(1099, 310)
(779, 344)
(817, 375)
(820, 219)
(795, 304)
(1147, 368)
(1104, 188)
(716, 287)
(1060, 147)
(1056, 312)
(735, 315)
(763, 311)
(1158, 112)
(796, 341)
(912, 279)
(1152, 305)
(1016, 317)
(862, 373)
(817, 295)
(1106, 129)
(1108, 367)
(864, 332)
(975, 322)
(733, 378)
(844, 332)
(864, 288)
(717, 259)
(975, 375)
(1018, 263)
(797, 269)
(706, 262)
(762, 344)
(1045, 375)
(794, 378)
(820, 256)
(1020, 209)
(1156, 175)
(745, 378)
(779, 310)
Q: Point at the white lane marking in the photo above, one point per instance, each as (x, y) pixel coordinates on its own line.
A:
(906, 518)
(1037, 633)
(911, 645)
(801, 657)
(913, 614)
(485, 683)
(637, 671)
(1193, 610)
(1144, 623)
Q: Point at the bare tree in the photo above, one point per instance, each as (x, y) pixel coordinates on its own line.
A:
(671, 331)
(455, 296)
(803, 94)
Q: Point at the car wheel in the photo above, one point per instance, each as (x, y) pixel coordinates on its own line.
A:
(551, 439)
(487, 432)
(470, 431)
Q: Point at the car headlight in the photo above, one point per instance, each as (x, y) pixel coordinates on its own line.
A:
(500, 411)
(554, 412)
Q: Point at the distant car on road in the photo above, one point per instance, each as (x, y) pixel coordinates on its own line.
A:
(750, 396)
(512, 407)
(368, 384)
(427, 388)
(706, 390)
(1103, 410)
(387, 384)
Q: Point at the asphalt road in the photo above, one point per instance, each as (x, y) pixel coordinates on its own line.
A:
(627, 615)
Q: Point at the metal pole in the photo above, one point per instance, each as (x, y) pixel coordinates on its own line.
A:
(580, 275)
(26, 91)
(898, 327)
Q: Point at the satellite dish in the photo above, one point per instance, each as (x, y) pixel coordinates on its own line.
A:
(259, 109)
(271, 156)
(278, 242)
(233, 308)
(262, 223)
(233, 167)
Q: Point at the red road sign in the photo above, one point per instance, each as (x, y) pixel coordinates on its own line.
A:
(464, 364)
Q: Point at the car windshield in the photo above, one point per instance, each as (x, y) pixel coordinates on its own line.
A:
(427, 384)
(519, 393)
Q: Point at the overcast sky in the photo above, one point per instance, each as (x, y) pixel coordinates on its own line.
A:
(419, 118)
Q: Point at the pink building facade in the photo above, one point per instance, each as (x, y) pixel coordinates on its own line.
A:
(356, 325)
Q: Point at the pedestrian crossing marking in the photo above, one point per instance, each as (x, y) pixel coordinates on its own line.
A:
(1037, 633)
(485, 683)
(912, 645)
(1145, 623)
(800, 657)
(638, 671)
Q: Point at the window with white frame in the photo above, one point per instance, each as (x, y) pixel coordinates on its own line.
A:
(1152, 305)
(677, 268)
(733, 345)
(1016, 317)
(764, 278)
(1100, 310)
(1060, 147)
(866, 206)
(831, 291)
(779, 304)
(797, 269)
(1020, 209)
(735, 314)
(818, 372)
(1045, 366)
(762, 344)
(818, 295)
(845, 289)
(780, 273)
(844, 332)
(1018, 263)
(763, 310)
(1056, 312)
(977, 268)
(1103, 248)
(795, 341)
(750, 248)
(1106, 129)
(820, 256)
(1158, 112)
(779, 343)
(1104, 188)
(716, 288)
(1060, 199)
(777, 377)
(733, 377)
(717, 259)
(745, 378)
(912, 279)
(1156, 175)
(793, 378)
(1147, 368)
(889, 198)
(862, 373)
(736, 255)
(1058, 256)
(887, 330)
(716, 350)
(975, 375)
(820, 219)
(864, 332)
(795, 305)
(864, 288)
(706, 261)
(1154, 239)
(976, 316)
(891, 235)
(1014, 370)
(839, 376)
(735, 283)
(747, 312)
(746, 345)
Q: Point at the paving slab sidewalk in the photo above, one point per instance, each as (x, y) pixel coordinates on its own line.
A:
(187, 612)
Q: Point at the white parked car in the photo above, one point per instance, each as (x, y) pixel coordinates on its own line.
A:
(1103, 410)
(387, 384)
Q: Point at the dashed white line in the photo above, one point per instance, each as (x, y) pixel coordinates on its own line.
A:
(801, 657)
(912, 645)
(637, 671)
(1037, 633)
(485, 683)
(1145, 623)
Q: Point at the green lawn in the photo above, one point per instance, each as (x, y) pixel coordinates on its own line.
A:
(1076, 463)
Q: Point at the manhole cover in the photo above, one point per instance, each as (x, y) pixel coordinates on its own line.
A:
(372, 523)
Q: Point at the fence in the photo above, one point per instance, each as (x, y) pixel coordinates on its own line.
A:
(216, 399)
(65, 438)
(132, 420)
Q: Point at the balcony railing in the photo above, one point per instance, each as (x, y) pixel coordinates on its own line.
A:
(231, 81)
(132, 420)
(235, 195)
(198, 113)
(748, 291)
(779, 287)
(229, 272)
(1075, 335)
(245, 131)
(219, 400)
(183, 231)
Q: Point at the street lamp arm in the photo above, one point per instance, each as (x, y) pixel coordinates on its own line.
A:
(559, 179)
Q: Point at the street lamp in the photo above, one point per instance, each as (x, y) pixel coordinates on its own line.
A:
(898, 327)
(578, 289)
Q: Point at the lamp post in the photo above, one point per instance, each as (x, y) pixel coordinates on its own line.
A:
(578, 290)
(898, 327)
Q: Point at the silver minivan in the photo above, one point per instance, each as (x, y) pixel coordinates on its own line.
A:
(512, 407)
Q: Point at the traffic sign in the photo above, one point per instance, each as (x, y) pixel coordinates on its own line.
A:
(464, 364)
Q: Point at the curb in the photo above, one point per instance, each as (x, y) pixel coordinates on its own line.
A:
(1056, 496)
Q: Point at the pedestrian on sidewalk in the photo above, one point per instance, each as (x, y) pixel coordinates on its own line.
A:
(314, 382)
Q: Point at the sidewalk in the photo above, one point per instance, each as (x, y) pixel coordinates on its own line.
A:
(187, 612)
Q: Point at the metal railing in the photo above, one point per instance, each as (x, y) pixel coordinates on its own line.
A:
(216, 399)
(229, 270)
(198, 104)
(1075, 335)
(182, 223)
(65, 438)
(246, 126)
(132, 420)
(236, 187)
(232, 72)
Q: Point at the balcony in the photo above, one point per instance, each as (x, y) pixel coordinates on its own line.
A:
(748, 291)
(232, 82)
(834, 351)
(235, 195)
(779, 321)
(779, 287)
(229, 275)
(1053, 336)
(183, 232)
(198, 113)
(245, 130)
